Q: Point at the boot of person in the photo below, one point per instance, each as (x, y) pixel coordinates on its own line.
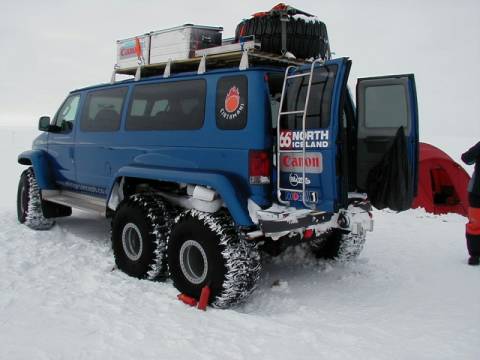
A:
(474, 260)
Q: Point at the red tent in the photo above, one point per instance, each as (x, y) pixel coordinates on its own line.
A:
(442, 183)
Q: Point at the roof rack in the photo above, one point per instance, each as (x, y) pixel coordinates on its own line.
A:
(242, 54)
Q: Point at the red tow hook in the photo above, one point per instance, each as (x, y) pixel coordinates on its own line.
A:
(187, 299)
(204, 297)
(202, 302)
(308, 234)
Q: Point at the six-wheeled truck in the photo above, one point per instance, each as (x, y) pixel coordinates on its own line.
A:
(205, 162)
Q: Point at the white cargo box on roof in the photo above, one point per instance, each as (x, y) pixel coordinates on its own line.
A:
(127, 55)
(180, 43)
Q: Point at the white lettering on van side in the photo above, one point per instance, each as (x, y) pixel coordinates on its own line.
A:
(234, 115)
(313, 139)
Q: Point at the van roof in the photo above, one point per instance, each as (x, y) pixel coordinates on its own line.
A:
(181, 75)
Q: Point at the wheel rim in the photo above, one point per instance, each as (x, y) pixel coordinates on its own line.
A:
(132, 241)
(193, 261)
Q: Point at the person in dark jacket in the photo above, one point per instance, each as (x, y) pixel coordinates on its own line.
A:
(471, 157)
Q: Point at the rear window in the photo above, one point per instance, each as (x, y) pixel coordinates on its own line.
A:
(232, 102)
(275, 85)
(167, 106)
(103, 110)
(318, 112)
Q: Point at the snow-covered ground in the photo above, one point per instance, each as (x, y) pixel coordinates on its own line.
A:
(409, 296)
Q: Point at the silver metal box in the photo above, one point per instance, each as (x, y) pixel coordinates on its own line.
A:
(180, 43)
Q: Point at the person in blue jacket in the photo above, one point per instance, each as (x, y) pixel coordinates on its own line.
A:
(472, 156)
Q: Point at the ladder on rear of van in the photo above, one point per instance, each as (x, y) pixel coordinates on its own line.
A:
(303, 191)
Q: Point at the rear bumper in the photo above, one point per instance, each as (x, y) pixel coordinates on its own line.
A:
(291, 223)
(279, 221)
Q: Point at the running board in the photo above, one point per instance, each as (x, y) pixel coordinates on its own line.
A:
(76, 200)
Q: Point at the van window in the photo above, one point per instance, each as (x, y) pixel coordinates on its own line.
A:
(138, 107)
(65, 116)
(176, 105)
(319, 104)
(275, 85)
(232, 102)
(102, 111)
(388, 106)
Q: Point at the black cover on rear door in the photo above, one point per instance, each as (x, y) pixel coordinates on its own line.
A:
(388, 183)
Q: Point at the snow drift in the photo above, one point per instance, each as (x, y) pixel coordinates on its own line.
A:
(410, 295)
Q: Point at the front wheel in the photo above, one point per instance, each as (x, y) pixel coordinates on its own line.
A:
(29, 203)
(205, 249)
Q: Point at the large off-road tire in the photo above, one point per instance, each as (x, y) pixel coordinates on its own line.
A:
(29, 203)
(140, 228)
(338, 245)
(304, 39)
(205, 249)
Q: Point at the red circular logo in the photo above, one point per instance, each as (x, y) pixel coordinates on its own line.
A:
(232, 100)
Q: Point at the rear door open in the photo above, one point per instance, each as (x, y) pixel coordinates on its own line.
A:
(307, 152)
(387, 140)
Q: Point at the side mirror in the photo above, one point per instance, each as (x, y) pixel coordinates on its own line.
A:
(44, 123)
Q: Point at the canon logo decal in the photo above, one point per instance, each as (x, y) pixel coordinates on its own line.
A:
(294, 163)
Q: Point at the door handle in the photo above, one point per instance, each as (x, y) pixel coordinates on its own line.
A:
(71, 153)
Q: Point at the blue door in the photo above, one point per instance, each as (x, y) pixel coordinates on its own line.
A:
(97, 136)
(387, 140)
(308, 160)
(61, 142)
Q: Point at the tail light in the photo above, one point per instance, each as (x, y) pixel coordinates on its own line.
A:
(260, 166)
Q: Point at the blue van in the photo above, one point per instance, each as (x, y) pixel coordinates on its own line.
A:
(203, 171)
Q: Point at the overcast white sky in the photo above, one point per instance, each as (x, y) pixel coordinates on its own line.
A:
(51, 47)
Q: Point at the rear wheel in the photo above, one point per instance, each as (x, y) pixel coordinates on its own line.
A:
(29, 203)
(338, 245)
(140, 228)
(205, 249)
